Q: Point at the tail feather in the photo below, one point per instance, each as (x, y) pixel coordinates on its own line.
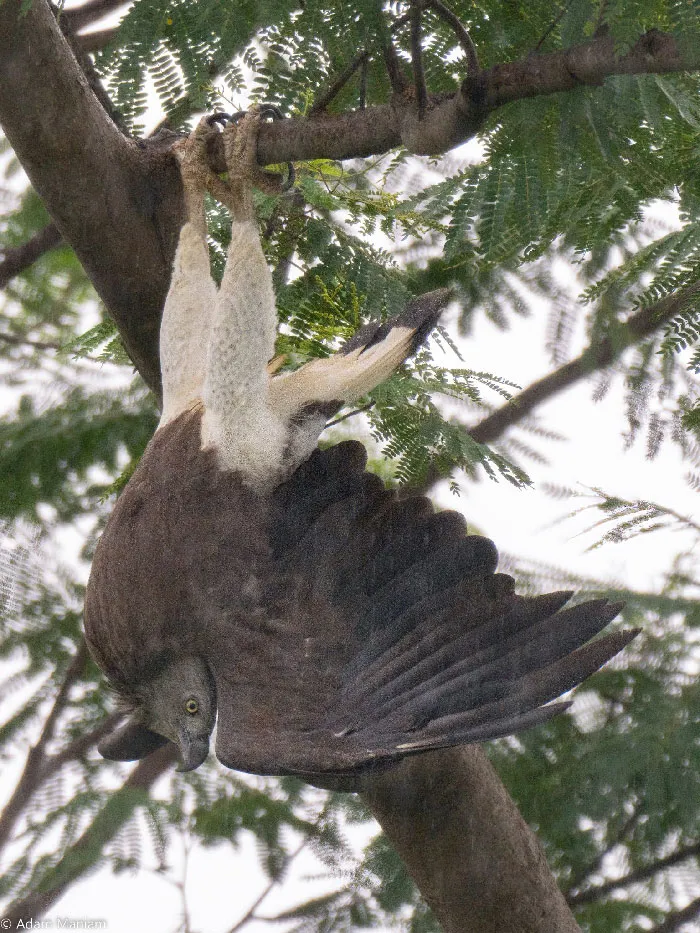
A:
(365, 361)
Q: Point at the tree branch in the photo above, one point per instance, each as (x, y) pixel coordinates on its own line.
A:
(595, 865)
(118, 203)
(83, 854)
(324, 99)
(83, 16)
(79, 747)
(476, 862)
(679, 918)
(23, 342)
(32, 776)
(594, 357)
(18, 258)
(593, 894)
(463, 37)
(270, 886)
(417, 57)
(96, 40)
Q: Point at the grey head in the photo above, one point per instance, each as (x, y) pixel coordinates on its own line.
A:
(178, 705)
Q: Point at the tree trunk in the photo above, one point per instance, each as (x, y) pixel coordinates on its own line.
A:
(474, 859)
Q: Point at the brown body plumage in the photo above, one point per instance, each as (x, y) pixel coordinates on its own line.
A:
(333, 626)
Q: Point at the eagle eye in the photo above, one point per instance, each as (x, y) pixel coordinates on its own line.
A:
(192, 706)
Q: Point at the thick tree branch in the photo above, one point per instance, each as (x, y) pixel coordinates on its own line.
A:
(597, 893)
(476, 862)
(18, 258)
(596, 356)
(117, 205)
(83, 854)
(31, 776)
(96, 40)
(454, 119)
(83, 16)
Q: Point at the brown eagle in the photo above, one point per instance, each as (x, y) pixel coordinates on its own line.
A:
(248, 578)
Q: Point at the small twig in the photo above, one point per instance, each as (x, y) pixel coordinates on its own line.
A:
(32, 775)
(595, 865)
(463, 37)
(679, 918)
(397, 78)
(552, 26)
(594, 894)
(324, 99)
(350, 414)
(250, 913)
(35, 344)
(417, 58)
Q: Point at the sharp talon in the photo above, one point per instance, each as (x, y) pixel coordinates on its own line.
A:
(219, 117)
(270, 110)
(268, 181)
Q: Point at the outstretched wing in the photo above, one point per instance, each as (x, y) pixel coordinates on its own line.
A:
(410, 638)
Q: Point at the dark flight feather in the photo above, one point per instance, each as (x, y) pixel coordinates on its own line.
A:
(344, 627)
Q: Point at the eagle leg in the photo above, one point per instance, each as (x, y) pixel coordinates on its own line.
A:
(238, 420)
(189, 306)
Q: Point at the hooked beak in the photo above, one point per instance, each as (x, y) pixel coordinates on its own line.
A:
(193, 751)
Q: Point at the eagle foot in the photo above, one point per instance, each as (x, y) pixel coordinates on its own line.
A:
(244, 173)
(192, 154)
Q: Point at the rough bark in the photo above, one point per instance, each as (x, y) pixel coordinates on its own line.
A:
(475, 860)
(117, 205)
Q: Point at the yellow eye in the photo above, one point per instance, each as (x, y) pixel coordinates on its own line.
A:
(192, 706)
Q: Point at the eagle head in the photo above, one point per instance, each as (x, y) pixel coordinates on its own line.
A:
(177, 705)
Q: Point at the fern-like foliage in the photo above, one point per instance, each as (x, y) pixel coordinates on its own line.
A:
(570, 180)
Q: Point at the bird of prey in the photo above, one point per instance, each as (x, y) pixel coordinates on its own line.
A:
(249, 578)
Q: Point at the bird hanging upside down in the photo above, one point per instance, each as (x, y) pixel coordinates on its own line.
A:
(248, 577)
